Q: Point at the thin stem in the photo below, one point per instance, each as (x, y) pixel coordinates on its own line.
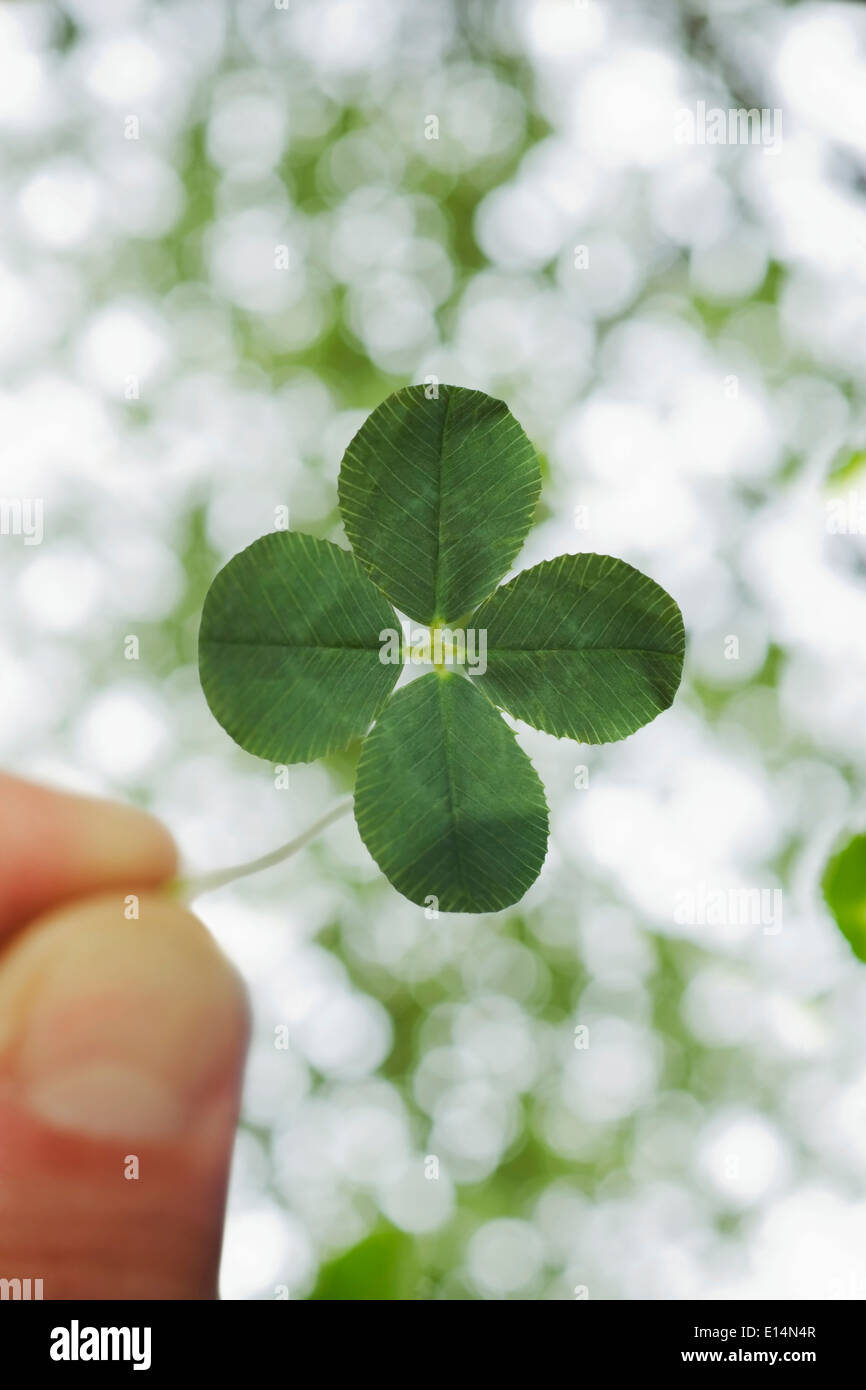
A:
(189, 888)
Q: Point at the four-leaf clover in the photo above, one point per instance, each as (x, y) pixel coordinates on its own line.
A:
(437, 492)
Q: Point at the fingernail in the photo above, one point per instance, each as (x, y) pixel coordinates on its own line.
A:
(109, 1100)
(126, 1029)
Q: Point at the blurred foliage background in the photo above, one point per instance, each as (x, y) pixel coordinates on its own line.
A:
(229, 230)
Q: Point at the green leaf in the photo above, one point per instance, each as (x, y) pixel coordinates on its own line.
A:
(583, 647)
(844, 885)
(384, 1267)
(289, 648)
(447, 802)
(437, 497)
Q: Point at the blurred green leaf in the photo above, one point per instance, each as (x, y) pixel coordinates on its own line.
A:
(289, 648)
(437, 497)
(447, 802)
(844, 885)
(383, 1268)
(847, 468)
(583, 647)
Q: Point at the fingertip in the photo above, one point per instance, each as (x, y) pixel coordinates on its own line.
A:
(122, 1040)
(152, 1016)
(56, 846)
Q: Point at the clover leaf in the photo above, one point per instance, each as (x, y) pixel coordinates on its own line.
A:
(289, 648)
(437, 497)
(436, 494)
(447, 802)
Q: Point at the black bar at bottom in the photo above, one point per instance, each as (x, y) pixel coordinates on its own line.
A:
(152, 1339)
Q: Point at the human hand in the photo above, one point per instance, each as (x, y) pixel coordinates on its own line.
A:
(122, 1040)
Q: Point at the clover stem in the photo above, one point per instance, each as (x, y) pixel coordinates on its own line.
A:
(189, 888)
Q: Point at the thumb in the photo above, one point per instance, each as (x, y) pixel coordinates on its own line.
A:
(121, 1050)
